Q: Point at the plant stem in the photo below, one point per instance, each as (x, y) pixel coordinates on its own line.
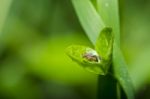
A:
(107, 87)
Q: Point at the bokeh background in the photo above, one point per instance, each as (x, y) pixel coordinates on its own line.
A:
(34, 35)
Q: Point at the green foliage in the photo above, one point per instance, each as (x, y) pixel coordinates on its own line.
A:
(34, 34)
(104, 44)
(87, 58)
(121, 72)
(89, 18)
(108, 10)
(95, 61)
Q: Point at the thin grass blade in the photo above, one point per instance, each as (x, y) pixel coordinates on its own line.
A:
(89, 18)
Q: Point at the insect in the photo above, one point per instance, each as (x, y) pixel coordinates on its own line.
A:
(91, 56)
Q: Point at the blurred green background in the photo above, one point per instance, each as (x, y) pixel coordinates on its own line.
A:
(33, 38)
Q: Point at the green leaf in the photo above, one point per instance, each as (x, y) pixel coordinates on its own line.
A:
(89, 18)
(108, 10)
(104, 44)
(121, 72)
(87, 58)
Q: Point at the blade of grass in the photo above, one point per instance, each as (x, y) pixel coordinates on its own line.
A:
(4, 8)
(89, 18)
(108, 9)
(121, 72)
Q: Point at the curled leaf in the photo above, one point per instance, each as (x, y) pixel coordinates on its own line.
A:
(97, 61)
(87, 58)
(104, 46)
(104, 43)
